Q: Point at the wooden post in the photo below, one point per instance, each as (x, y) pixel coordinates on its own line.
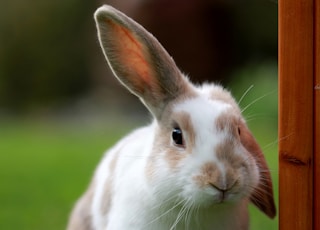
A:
(299, 114)
(296, 84)
(317, 115)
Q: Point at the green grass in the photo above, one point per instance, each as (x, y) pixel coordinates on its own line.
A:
(45, 166)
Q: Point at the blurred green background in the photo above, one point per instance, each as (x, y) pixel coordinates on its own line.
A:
(60, 108)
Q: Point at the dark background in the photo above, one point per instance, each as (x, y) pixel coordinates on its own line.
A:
(50, 58)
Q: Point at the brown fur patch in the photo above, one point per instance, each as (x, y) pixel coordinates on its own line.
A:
(150, 168)
(159, 145)
(107, 195)
(228, 122)
(81, 215)
(225, 153)
(262, 196)
(174, 155)
(188, 93)
(209, 174)
(186, 125)
(220, 94)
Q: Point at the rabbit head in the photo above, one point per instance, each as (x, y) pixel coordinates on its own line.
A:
(202, 152)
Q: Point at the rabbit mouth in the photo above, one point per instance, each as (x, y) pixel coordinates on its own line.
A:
(223, 197)
(223, 193)
(210, 196)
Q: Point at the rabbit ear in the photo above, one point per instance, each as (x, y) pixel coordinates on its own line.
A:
(138, 60)
(262, 196)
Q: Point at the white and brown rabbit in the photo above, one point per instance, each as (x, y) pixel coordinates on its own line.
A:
(197, 166)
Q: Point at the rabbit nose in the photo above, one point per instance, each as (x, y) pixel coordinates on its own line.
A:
(223, 187)
(219, 187)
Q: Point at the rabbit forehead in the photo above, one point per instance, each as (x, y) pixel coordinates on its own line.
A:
(203, 112)
(209, 124)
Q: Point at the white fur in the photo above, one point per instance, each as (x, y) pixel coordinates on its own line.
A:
(148, 182)
(139, 204)
(130, 165)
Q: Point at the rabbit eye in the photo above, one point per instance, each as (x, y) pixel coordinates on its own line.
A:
(177, 136)
(239, 130)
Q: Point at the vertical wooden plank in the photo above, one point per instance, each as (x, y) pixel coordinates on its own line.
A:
(316, 106)
(296, 114)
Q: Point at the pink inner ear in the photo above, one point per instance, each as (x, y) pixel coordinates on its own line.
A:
(131, 54)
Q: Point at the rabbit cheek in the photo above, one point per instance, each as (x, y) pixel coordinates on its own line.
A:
(235, 157)
(229, 180)
(163, 156)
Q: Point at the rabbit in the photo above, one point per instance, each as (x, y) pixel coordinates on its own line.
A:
(196, 166)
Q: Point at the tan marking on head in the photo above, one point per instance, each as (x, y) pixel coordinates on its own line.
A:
(232, 161)
(163, 143)
(219, 93)
(185, 123)
(107, 194)
(225, 153)
(228, 122)
(149, 169)
(209, 174)
(159, 145)
(222, 122)
(188, 93)
(174, 155)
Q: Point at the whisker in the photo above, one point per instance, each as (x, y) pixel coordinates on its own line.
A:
(276, 141)
(163, 203)
(189, 211)
(270, 145)
(197, 215)
(179, 216)
(245, 94)
(191, 214)
(165, 213)
(259, 117)
(256, 100)
(140, 156)
(272, 170)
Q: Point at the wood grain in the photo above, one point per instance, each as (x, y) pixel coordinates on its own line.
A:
(296, 114)
(316, 105)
